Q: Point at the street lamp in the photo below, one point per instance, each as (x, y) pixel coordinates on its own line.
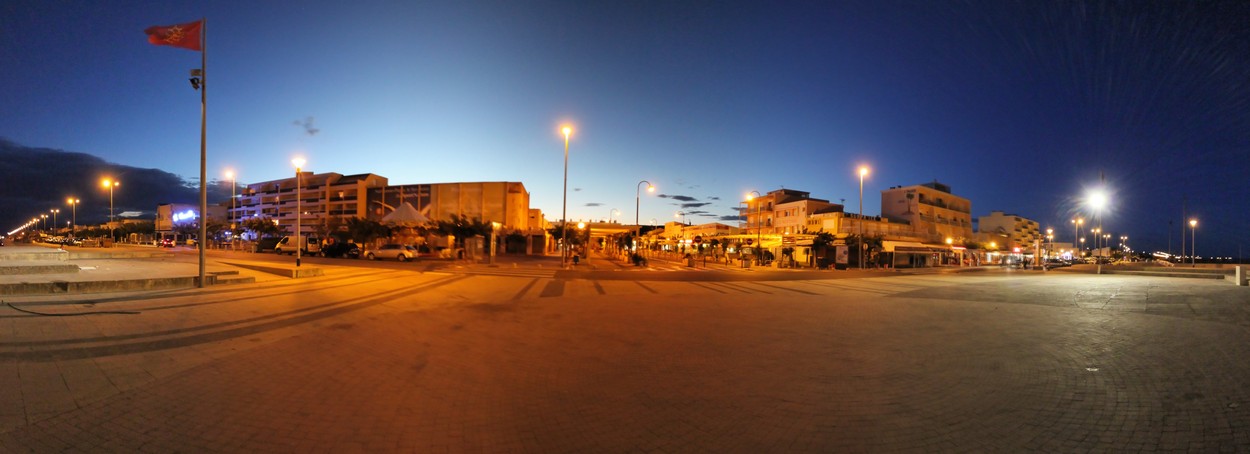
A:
(1193, 248)
(230, 217)
(612, 214)
(74, 204)
(110, 184)
(638, 200)
(43, 222)
(863, 172)
(299, 164)
(564, 209)
(759, 219)
(1050, 237)
(54, 213)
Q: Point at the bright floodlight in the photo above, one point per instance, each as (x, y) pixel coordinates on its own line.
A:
(1097, 200)
(299, 162)
(229, 174)
(863, 171)
(1193, 222)
(566, 130)
(650, 188)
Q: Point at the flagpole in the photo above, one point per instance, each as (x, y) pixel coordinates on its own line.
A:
(203, 143)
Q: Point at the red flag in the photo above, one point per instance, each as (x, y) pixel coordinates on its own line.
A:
(186, 36)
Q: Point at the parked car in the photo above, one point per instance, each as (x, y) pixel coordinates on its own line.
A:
(311, 245)
(392, 251)
(341, 249)
(166, 242)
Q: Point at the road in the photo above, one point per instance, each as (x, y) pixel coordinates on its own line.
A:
(382, 357)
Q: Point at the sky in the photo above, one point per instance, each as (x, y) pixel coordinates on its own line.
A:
(1022, 107)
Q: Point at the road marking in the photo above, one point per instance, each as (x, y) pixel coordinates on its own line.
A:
(524, 289)
(649, 289)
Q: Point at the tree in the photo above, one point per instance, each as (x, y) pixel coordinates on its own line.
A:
(261, 227)
(462, 227)
(363, 230)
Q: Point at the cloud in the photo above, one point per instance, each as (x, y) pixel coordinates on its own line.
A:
(577, 189)
(683, 198)
(713, 198)
(695, 204)
(733, 218)
(594, 204)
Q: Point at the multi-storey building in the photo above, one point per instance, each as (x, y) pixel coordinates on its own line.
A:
(327, 200)
(934, 213)
(781, 211)
(1010, 230)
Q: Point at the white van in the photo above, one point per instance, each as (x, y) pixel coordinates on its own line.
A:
(311, 245)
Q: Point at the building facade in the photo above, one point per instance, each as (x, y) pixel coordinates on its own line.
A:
(326, 200)
(1010, 230)
(505, 202)
(781, 211)
(933, 211)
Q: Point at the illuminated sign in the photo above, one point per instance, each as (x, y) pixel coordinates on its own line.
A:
(188, 215)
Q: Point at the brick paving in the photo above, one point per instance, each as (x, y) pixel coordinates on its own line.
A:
(394, 360)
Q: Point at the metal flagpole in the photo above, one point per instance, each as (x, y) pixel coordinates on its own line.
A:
(203, 143)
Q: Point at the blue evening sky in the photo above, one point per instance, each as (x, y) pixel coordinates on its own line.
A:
(1019, 106)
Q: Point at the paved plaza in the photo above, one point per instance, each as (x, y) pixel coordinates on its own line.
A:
(397, 358)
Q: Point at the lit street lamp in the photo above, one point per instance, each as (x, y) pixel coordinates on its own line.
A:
(638, 200)
(54, 224)
(612, 214)
(1193, 248)
(863, 172)
(111, 184)
(230, 217)
(299, 163)
(564, 208)
(74, 204)
(759, 219)
(43, 222)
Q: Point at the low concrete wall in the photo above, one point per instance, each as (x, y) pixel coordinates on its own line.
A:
(37, 269)
(281, 270)
(125, 285)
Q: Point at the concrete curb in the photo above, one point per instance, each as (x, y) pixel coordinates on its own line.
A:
(284, 271)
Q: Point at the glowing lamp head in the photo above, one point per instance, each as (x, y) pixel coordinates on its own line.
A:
(863, 171)
(567, 131)
(298, 163)
(950, 240)
(581, 225)
(650, 188)
(1193, 223)
(1097, 200)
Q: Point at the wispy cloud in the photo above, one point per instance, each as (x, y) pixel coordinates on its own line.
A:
(683, 198)
(695, 204)
(594, 204)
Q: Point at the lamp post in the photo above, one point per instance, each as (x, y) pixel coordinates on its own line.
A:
(43, 222)
(230, 217)
(1050, 237)
(111, 184)
(1193, 247)
(1098, 201)
(74, 204)
(638, 200)
(299, 164)
(612, 214)
(54, 224)
(863, 172)
(564, 208)
(759, 219)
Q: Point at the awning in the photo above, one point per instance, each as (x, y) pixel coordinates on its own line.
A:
(913, 247)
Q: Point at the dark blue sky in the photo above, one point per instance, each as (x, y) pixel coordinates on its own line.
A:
(1019, 106)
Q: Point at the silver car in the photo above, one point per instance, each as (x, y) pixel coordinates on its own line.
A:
(392, 251)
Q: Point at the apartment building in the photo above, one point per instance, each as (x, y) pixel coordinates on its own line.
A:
(781, 211)
(1009, 230)
(933, 211)
(327, 200)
